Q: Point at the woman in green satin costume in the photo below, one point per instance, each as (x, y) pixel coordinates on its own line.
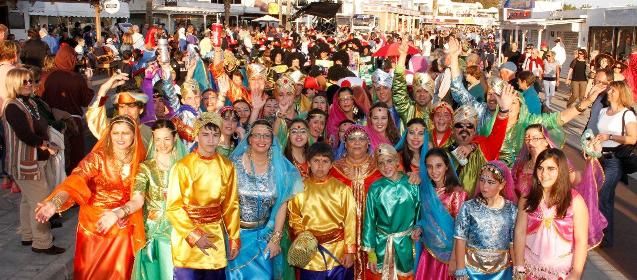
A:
(154, 261)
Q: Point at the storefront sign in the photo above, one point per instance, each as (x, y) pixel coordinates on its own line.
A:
(518, 14)
(111, 6)
(170, 3)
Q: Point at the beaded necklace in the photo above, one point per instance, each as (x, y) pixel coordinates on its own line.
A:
(33, 111)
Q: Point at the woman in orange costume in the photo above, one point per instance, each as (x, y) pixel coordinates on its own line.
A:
(108, 234)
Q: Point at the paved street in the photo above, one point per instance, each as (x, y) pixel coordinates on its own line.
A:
(18, 262)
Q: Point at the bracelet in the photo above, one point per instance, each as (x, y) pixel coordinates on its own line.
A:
(126, 210)
(57, 201)
(578, 108)
(276, 237)
(461, 273)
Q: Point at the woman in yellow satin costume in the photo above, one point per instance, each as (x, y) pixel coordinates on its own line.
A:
(108, 233)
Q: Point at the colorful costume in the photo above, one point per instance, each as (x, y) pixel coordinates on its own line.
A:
(358, 177)
(261, 196)
(464, 97)
(334, 226)
(549, 243)
(98, 121)
(98, 184)
(155, 260)
(407, 107)
(202, 200)
(390, 215)
(186, 113)
(488, 234)
(488, 148)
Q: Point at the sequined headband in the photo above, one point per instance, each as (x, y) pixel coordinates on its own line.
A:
(204, 119)
(385, 150)
(356, 130)
(495, 170)
(442, 106)
(123, 119)
(225, 109)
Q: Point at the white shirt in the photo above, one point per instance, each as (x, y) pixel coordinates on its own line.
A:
(138, 41)
(560, 54)
(613, 124)
(426, 48)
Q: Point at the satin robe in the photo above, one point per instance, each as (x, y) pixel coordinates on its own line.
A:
(405, 106)
(429, 267)
(198, 182)
(323, 208)
(392, 207)
(358, 177)
(488, 234)
(155, 260)
(96, 190)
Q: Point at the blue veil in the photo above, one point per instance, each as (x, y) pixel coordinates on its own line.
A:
(434, 219)
(288, 182)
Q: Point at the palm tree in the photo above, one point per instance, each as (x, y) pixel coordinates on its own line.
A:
(226, 12)
(149, 12)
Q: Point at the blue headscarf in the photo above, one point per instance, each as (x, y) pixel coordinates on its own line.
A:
(436, 222)
(287, 180)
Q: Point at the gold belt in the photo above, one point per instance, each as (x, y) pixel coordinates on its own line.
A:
(204, 215)
(336, 235)
(252, 225)
(487, 261)
(389, 262)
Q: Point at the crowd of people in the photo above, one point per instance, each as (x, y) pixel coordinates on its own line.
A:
(274, 154)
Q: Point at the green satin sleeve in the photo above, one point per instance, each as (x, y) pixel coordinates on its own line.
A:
(402, 102)
(470, 172)
(368, 235)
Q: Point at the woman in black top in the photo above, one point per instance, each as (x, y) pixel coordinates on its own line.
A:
(27, 139)
(577, 77)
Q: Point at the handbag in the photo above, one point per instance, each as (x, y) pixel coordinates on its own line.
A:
(302, 249)
(626, 154)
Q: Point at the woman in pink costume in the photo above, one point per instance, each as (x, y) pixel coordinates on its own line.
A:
(551, 232)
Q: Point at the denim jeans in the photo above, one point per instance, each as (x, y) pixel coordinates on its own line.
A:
(613, 171)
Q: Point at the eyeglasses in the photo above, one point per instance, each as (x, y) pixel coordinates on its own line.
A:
(357, 139)
(27, 82)
(464, 125)
(298, 131)
(260, 136)
(534, 139)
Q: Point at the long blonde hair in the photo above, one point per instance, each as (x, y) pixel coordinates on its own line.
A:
(14, 82)
(624, 93)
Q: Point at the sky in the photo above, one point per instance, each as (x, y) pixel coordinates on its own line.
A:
(601, 4)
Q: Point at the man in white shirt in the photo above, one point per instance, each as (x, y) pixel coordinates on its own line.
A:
(138, 38)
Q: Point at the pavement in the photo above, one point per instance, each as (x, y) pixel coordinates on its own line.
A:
(19, 263)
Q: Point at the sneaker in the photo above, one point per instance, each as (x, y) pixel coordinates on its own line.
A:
(51, 251)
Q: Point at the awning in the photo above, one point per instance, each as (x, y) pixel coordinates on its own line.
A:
(64, 9)
(186, 10)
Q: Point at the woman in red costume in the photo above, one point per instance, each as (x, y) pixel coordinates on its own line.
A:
(108, 234)
(357, 170)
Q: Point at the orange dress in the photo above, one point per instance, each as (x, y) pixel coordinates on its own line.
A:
(96, 186)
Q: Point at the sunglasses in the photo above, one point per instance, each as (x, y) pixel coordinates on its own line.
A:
(27, 82)
(464, 125)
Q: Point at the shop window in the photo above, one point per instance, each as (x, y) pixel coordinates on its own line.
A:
(16, 20)
(238, 2)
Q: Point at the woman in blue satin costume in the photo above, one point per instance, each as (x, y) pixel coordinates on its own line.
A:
(266, 180)
(484, 228)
